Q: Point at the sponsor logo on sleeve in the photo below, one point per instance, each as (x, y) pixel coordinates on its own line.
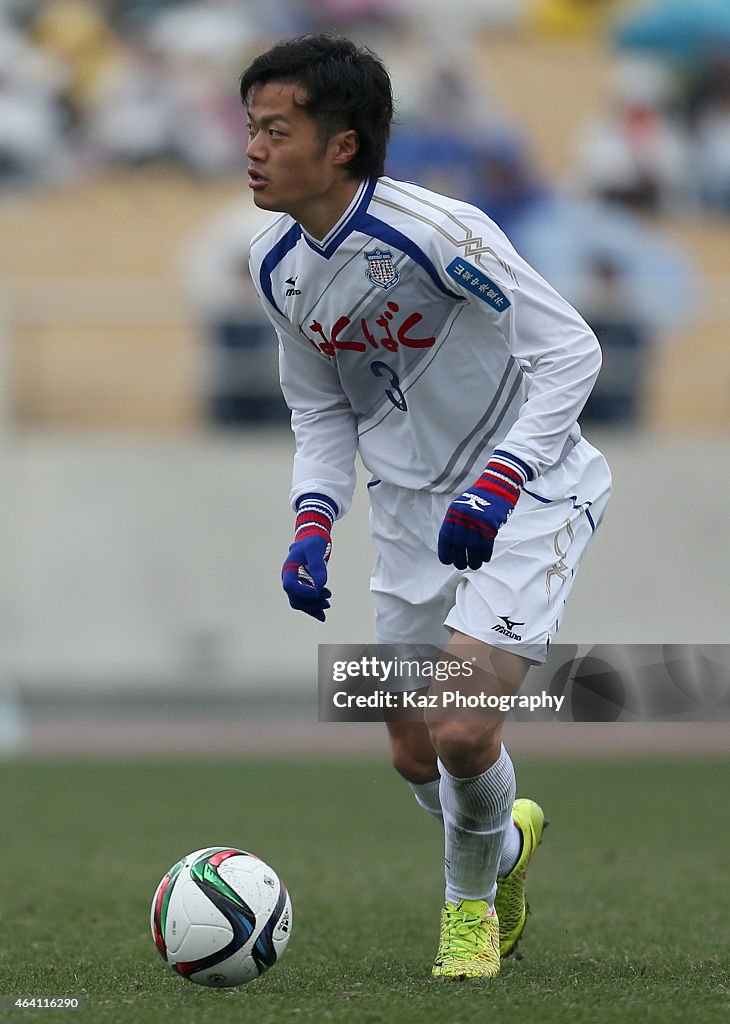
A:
(476, 281)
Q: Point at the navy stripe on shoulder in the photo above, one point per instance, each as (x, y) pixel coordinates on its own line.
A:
(369, 225)
(273, 258)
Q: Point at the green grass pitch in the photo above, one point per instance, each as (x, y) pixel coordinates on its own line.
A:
(630, 893)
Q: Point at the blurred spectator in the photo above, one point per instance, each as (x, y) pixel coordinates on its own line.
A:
(631, 284)
(441, 25)
(177, 106)
(214, 32)
(209, 132)
(131, 17)
(563, 238)
(362, 16)
(638, 153)
(712, 150)
(32, 149)
(76, 33)
(708, 83)
(240, 350)
(132, 116)
(708, 110)
(443, 124)
(626, 343)
(191, 56)
(573, 17)
(30, 138)
(435, 157)
(506, 185)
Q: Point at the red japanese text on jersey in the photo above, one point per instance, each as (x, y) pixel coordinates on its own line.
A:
(397, 331)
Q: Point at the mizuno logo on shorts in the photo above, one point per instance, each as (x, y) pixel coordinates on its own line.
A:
(508, 629)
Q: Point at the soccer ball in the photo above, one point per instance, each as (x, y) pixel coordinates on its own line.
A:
(221, 917)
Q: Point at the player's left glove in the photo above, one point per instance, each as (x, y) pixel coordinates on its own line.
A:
(472, 520)
(304, 573)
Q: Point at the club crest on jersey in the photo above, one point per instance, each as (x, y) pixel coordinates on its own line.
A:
(381, 269)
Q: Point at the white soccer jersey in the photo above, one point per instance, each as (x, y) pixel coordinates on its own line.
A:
(416, 334)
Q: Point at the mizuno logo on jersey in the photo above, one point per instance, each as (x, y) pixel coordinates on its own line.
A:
(381, 269)
(473, 501)
(292, 290)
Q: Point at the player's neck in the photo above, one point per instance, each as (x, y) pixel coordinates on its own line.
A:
(322, 213)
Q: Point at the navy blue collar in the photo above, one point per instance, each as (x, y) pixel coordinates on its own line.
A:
(347, 223)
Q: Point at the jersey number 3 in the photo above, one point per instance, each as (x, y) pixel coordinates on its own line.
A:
(393, 391)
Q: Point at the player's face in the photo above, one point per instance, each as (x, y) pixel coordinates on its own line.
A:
(291, 169)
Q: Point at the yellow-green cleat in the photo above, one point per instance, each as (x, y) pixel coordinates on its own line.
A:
(510, 902)
(469, 941)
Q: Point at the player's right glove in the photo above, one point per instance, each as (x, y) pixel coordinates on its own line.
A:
(304, 574)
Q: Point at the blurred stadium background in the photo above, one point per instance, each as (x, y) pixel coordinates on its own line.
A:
(145, 452)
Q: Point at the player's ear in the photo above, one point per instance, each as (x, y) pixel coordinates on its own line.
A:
(346, 145)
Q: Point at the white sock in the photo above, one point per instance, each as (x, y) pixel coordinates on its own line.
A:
(476, 812)
(427, 797)
(511, 849)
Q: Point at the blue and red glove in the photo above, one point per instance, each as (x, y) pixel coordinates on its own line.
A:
(471, 522)
(304, 574)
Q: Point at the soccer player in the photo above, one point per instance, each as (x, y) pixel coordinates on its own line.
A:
(411, 332)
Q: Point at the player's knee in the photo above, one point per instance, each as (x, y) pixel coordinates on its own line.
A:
(465, 747)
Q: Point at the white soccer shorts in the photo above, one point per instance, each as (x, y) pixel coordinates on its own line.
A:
(516, 600)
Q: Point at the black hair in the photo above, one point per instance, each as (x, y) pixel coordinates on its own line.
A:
(346, 87)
